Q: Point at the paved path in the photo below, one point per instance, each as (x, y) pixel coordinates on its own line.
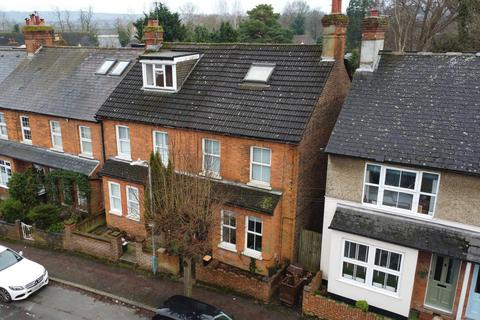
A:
(143, 288)
(55, 302)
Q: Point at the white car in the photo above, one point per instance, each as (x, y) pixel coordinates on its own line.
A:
(19, 277)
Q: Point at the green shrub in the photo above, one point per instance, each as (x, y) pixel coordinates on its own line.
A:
(24, 187)
(45, 215)
(11, 210)
(362, 305)
(56, 227)
(253, 266)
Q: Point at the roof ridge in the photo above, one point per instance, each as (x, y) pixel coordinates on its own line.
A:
(428, 53)
(95, 47)
(242, 44)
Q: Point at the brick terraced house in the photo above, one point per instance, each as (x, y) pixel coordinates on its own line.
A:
(48, 100)
(401, 220)
(255, 116)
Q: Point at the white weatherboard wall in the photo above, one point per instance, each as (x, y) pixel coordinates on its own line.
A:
(398, 302)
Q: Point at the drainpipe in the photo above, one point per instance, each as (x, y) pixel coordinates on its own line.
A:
(463, 294)
(103, 141)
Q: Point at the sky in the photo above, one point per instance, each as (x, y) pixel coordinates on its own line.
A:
(138, 6)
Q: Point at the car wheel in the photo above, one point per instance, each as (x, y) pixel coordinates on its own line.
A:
(5, 296)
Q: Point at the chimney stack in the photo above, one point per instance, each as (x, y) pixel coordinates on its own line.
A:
(373, 38)
(334, 33)
(36, 33)
(153, 35)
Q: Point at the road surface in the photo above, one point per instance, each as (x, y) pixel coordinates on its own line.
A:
(55, 302)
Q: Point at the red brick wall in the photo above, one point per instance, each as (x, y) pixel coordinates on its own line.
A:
(131, 227)
(41, 136)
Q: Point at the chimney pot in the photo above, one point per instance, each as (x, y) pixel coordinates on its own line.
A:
(336, 6)
(373, 38)
(38, 34)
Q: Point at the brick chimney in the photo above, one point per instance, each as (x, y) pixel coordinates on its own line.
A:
(36, 33)
(373, 38)
(153, 35)
(334, 33)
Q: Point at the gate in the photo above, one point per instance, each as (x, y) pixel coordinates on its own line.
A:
(27, 231)
(309, 250)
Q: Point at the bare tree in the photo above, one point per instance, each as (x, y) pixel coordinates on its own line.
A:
(67, 19)
(187, 13)
(414, 23)
(86, 19)
(314, 23)
(236, 12)
(60, 21)
(292, 10)
(184, 209)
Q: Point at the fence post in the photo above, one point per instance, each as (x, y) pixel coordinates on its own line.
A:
(116, 244)
(67, 239)
(18, 228)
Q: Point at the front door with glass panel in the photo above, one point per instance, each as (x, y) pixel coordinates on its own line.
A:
(442, 283)
(473, 307)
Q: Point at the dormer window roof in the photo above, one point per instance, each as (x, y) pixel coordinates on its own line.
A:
(160, 69)
(259, 72)
(105, 67)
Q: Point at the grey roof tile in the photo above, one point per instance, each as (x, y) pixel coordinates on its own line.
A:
(9, 60)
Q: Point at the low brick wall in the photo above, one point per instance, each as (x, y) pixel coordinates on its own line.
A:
(239, 281)
(326, 308)
(101, 247)
(11, 230)
(165, 263)
(47, 239)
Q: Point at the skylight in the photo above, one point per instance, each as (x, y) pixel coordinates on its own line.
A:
(259, 72)
(105, 67)
(119, 68)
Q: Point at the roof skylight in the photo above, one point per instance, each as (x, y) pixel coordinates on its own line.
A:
(259, 72)
(119, 68)
(105, 67)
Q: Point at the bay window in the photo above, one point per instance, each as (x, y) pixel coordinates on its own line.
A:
(133, 206)
(401, 190)
(228, 231)
(371, 266)
(115, 198)
(254, 237)
(5, 173)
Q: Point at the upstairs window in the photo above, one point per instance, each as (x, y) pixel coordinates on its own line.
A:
(3, 127)
(400, 189)
(105, 67)
(56, 133)
(260, 167)
(160, 145)
(159, 76)
(26, 131)
(123, 142)
(86, 141)
(259, 72)
(211, 157)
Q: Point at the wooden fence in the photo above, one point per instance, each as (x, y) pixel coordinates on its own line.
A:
(310, 249)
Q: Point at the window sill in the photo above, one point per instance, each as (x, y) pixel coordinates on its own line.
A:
(160, 89)
(259, 185)
(227, 246)
(57, 150)
(124, 158)
(252, 254)
(4, 137)
(366, 287)
(26, 141)
(116, 213)
(399, 212)
(133, 218)
(87, 156)
(209, 174)
(3, 186)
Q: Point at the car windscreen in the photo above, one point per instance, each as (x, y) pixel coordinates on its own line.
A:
(8, 258)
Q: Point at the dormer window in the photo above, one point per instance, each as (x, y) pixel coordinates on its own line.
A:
(259, 72)
(159, 76)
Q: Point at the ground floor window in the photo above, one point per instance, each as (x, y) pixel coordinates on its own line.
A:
(115, 198)
(229, 230)
(133, 205)
(372, 266)
(5, 172)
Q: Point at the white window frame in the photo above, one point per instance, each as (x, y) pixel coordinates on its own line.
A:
(210, 173)
(416, 192)
(5, 166)
(251, 252)
(24, 128)
(162, 149)
(224, 244)
(258, 183)
(56, 134)
(119, 153)
(371, 267)
(3, 124)
(159, 66)
(114, 211)
(82, 202)
(85, 140)
(130, 215)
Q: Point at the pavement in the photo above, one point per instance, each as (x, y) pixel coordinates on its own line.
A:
(141, 289)
(56, 302)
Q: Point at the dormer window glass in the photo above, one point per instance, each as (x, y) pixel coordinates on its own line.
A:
(259, 72)
(105, 67)
(159, 76)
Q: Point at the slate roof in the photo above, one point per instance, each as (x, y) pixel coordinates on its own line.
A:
(47, 158)
(246, 197)
(70, 38)
(9, 60)
(408, 232)
(212, 98)
(61, 81)
(416, 109)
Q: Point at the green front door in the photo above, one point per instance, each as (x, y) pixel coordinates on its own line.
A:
(442, 283)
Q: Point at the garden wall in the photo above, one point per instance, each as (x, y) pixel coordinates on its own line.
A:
(11, 230)
(315, 304)
(165, 263)
(220, 275)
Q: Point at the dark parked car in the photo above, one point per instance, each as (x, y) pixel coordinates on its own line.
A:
(184, 308)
